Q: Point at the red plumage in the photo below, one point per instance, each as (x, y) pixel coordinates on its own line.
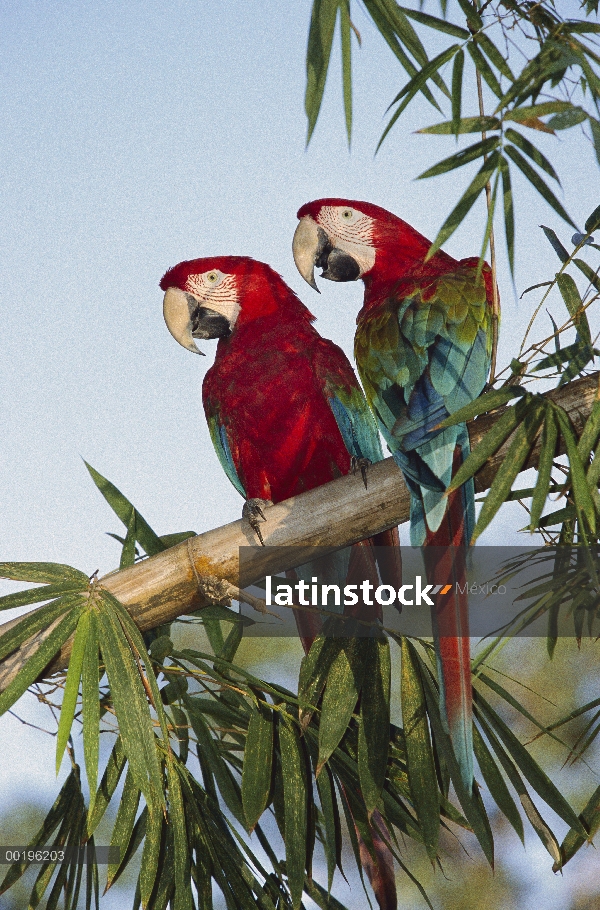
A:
(269, 389)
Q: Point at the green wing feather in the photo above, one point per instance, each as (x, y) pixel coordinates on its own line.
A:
(218, 434)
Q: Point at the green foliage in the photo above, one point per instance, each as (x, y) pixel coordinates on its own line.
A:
(206, 749)
(561, 82)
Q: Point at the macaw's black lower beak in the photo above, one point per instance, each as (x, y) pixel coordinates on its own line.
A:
(207, 323)
(336, 264)
(340, 266)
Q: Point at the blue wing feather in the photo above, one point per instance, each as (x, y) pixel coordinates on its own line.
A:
(218, 434)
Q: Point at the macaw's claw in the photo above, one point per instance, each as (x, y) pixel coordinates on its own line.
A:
(363, 464)
(253, 513)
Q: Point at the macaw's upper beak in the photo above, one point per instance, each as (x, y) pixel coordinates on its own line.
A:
(187, 319)
(307, 245)
(312, 247)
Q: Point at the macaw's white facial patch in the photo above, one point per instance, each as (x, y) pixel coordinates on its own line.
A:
(216, 291)
(351, 231)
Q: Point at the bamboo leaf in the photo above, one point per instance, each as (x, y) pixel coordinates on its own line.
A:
(331, 818)
(590, 820)
(473, 18)
(30, 671)
(440, 25)
(150, 854)
(318, 53)
(343, 687)
(53, 819)
(492, 52)
(522, 114)
(69, 702)
(46, 592)
(558, 517)
(228, 786)
(415, 85)
(509, 217)
(128, 552)
(541, 828)
(574, 305)
(391, 22)
(496, 785)
(181, 730)
(322, 898)
(490, 401)
(471, 802)
(578, 363)
(526, 146)
(131, 705)
(464, 156)
(314, 670)
(590, 432)
(374, 730)
(538, 779)
(536, 181)
(33, 622)
(258, 767)
(547, 453)
(91, 708)
(518, 451)
(466, 202)
(138, 647)
(556, 244)
(581, 491)
(171, 540)
(593, 221)
(123, 509)
(483, 67)
(498, 434)
(464, 125)
(595, 128)
(570, 353)
(181, 853)
(457, 76)
(567, 119)
(123, 827)
(543, 831)
(346, 64)
(294, 795)
(108, 785)
(419, 753)
(44, 573)
(589, 273)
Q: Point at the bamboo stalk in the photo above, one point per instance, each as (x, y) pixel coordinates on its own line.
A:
(159, 589)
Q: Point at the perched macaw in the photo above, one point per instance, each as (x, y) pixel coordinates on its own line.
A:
(286, 414)
(423, 350)
(284, 408)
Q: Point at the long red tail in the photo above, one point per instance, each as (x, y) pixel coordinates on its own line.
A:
(446, 555)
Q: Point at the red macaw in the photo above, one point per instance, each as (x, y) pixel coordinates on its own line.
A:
(286, 414)
(423, 349)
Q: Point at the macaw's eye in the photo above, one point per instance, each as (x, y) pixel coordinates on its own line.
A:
(347, 214)
(212, 277)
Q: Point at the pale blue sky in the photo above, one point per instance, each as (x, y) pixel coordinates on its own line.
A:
(137, 135)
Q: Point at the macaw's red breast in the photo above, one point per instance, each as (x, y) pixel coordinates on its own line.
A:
(268, 388)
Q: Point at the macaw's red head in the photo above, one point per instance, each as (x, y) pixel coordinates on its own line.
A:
(216, 296)
(352, 240)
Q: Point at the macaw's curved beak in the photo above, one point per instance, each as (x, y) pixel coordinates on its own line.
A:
(187, 319)
(312, 247)
(306, 245)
